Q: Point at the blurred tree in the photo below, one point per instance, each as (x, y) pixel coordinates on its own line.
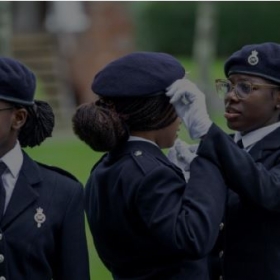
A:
(204, 49)
(5, 27)
(170, 26)
(165, 26)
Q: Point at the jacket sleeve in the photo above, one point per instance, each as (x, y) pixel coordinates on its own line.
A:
(73, 260)
(184, 218)
(250, 179)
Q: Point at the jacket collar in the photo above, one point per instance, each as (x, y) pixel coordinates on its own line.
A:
(134, 147)
(269, 142)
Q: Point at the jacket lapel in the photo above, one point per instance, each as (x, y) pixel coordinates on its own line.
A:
(24, 192)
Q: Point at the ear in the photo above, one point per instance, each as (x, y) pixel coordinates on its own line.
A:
(277, 99)
(20, 116)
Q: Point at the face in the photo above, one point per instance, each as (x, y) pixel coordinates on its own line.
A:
(11, 120)
(167, 136)
(257, 110)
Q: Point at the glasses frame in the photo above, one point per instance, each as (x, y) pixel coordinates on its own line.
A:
(247, 82)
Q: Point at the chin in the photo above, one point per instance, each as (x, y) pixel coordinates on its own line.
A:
(235, 126)
(241, 128)
(166, 145)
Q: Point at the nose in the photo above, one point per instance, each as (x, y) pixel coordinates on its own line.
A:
(231, 96)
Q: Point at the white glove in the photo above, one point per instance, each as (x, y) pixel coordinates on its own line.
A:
(189, 103)
(182, 154)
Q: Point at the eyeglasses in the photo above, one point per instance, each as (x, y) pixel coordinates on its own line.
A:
(5, 109)
(241, 89)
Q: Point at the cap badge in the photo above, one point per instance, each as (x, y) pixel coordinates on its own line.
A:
(253, 58)
(39, 217)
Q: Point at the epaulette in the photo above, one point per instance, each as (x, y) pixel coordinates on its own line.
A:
(58, 170)
(144, 161)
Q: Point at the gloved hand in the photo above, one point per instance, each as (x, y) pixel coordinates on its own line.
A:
(182, 154)
(189, 103)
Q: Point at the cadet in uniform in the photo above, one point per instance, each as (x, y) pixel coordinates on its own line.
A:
(42, 234)
(146, 222)
(249, 245)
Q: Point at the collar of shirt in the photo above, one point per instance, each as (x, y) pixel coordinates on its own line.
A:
(14, 159)
(254, 136)
(136, 138)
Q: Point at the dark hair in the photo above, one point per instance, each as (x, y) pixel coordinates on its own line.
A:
(39, 124)
(105, 124)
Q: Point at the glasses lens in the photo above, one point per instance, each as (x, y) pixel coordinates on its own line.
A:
(223, 88)
(243, 89)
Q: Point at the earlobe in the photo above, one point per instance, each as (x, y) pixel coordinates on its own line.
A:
(20, 117)
(277, 101)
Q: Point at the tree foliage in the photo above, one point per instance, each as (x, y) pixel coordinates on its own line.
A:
(169, 26)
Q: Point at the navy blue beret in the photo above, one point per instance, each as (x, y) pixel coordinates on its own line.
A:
(138, 74)
(262, 60)
(17, 82)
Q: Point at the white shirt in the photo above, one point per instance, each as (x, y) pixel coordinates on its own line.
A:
(136, 138)
(13, 159)
(251, 138)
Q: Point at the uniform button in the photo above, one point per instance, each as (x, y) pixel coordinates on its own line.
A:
(221, 253)
(1, 236)
(2, 278)
(137, 154)
(220, 278)
(222, 226)
(1, 259)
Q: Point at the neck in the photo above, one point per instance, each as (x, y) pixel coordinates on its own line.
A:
(6, 148)
(149, 135)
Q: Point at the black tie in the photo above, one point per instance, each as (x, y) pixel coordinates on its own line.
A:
(3, 167)
(240, 143)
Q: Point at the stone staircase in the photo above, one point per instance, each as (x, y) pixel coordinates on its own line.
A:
(39, 52)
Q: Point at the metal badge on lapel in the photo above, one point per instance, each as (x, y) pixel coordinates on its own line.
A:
(39, 217)
(253, 58)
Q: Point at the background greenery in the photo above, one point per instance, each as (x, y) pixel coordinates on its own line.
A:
(169, 26)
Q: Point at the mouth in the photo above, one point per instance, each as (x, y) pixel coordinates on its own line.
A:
(231, 113)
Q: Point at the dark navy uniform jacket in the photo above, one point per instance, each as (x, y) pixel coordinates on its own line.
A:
(146, 222)
(57, 248)
(250, 241)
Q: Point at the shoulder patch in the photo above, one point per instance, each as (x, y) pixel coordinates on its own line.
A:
(58, 170)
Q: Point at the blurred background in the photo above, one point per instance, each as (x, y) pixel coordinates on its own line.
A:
(66, 43)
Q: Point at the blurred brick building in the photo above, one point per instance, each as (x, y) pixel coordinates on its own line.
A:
(66, 43)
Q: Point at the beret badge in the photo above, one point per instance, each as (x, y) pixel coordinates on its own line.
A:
(253, 58)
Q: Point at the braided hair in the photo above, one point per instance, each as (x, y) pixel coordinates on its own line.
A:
(38, 126)
(107, 123)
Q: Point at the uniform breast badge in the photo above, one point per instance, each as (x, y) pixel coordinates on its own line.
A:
(253, 58)
(39, 217)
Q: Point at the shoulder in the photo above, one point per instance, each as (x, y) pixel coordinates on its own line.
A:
(135, 157)
(57, 172)
(145, 161)
(148, 157)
